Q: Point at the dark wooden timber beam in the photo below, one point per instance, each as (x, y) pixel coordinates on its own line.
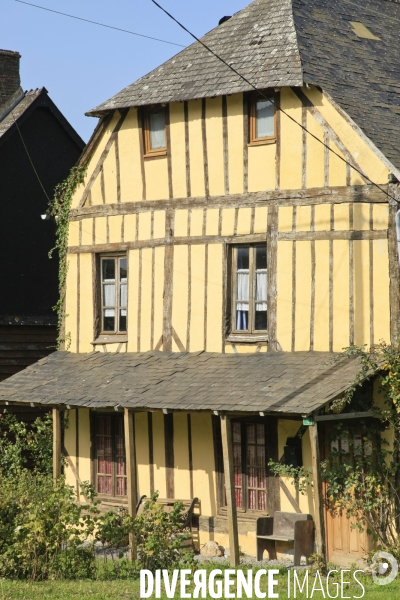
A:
(56, 444)
(340, 417)
(334, 195)
(319, 517)
(227, 451)
(129, 430)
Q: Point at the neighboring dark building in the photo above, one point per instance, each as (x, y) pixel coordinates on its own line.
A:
(31, 129)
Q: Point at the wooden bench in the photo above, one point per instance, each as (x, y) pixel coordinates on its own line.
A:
(286, 527)
(168, 505)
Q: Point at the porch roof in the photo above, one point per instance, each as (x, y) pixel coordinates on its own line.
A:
(272, 382)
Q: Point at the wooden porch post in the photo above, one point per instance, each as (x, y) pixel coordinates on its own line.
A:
(227, 450)
(56, 444)
(318, 504)
(130, 472)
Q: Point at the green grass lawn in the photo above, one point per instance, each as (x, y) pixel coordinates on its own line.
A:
(128, 590)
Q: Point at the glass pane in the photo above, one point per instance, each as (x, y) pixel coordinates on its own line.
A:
(108, 268)
(261, 257)
(261, 322)
(242, 320)
(121, 486)
(108, 322)
(157, 129)
(260, 434)
(108, 294)
(251, 434)
(265, 126)
(238, 495)
(123, 292)
(122, 320)
(262, 501)
(108, 489)
(344, 443)
(236, 431)
(252, 500)
(243, 253)
(122, 269)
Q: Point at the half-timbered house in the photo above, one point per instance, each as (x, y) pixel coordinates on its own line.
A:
(235, 230)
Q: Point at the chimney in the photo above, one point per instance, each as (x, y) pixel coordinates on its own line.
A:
(9, 75)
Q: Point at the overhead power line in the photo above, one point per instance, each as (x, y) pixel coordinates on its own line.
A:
(100, 24)
(277, 105)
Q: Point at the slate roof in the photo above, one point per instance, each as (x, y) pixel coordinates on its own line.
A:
(276, 43)
(16, 107)
(281, 382)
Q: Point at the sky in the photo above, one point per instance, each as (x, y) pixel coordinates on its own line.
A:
(82, 65)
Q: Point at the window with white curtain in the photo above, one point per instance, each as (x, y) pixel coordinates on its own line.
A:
(114, 294)
(249, 289)
(155, 140)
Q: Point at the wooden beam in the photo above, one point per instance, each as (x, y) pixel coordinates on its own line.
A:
(56, 444)
(300, 197)
(227, 450)
(318, 504)
(131, 472)
(340, 417)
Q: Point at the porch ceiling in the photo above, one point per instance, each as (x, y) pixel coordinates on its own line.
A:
(275, 382)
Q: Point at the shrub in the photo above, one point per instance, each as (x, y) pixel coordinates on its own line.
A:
(160, 537)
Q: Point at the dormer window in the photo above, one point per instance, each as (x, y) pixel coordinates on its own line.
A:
(155, 139)
(262, 119)
(114, 294)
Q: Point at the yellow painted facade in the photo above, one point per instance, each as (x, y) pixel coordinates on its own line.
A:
(175, 217)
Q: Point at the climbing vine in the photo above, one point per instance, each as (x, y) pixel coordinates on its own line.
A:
(59, 208)
(361, 469)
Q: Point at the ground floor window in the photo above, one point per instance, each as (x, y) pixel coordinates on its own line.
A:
(249, 461)
(110, 455)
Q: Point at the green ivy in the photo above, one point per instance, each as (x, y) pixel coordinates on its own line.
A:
(59, 209)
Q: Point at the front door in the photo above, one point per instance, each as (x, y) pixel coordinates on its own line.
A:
(345, 544)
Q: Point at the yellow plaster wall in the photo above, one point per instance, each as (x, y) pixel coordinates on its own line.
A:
(180, 292)
(181, 457)
(215, 149)
(321, 321)
(261, 219)
(196, 222)
(84, 446)
(262, 167)
(214, 298)
(71, 301)
(142, 453)
(178, 148)
(146, 300)
(284, 295)
(95, 158)
(197, 312)
(159, 454)
(341, 295)
(303, 295)
(291, 141)
(110, 176)
(361, 292)
(115, 229)
(70, 446)
(87, 304)
(228, 221)
(196, 149)
(158, 292)
(129, 159)
(156, 174)
(315, 154)
(133, 302)
(235, 143)
(364, 155)
(337, 167)
(203, 463)
(381, 287)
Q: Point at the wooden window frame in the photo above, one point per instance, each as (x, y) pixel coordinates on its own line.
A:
(245, 476)
(108, 497)
(148, 152)
(254, 98)
(117, 307)
(250, 334)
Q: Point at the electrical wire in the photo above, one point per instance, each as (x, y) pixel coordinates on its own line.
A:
(276, 104)
(100, 24)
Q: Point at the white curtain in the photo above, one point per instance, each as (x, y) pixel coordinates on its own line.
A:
(157, 130)
(109, 294)
(243, 290)
(261, 291)
(123, 292)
